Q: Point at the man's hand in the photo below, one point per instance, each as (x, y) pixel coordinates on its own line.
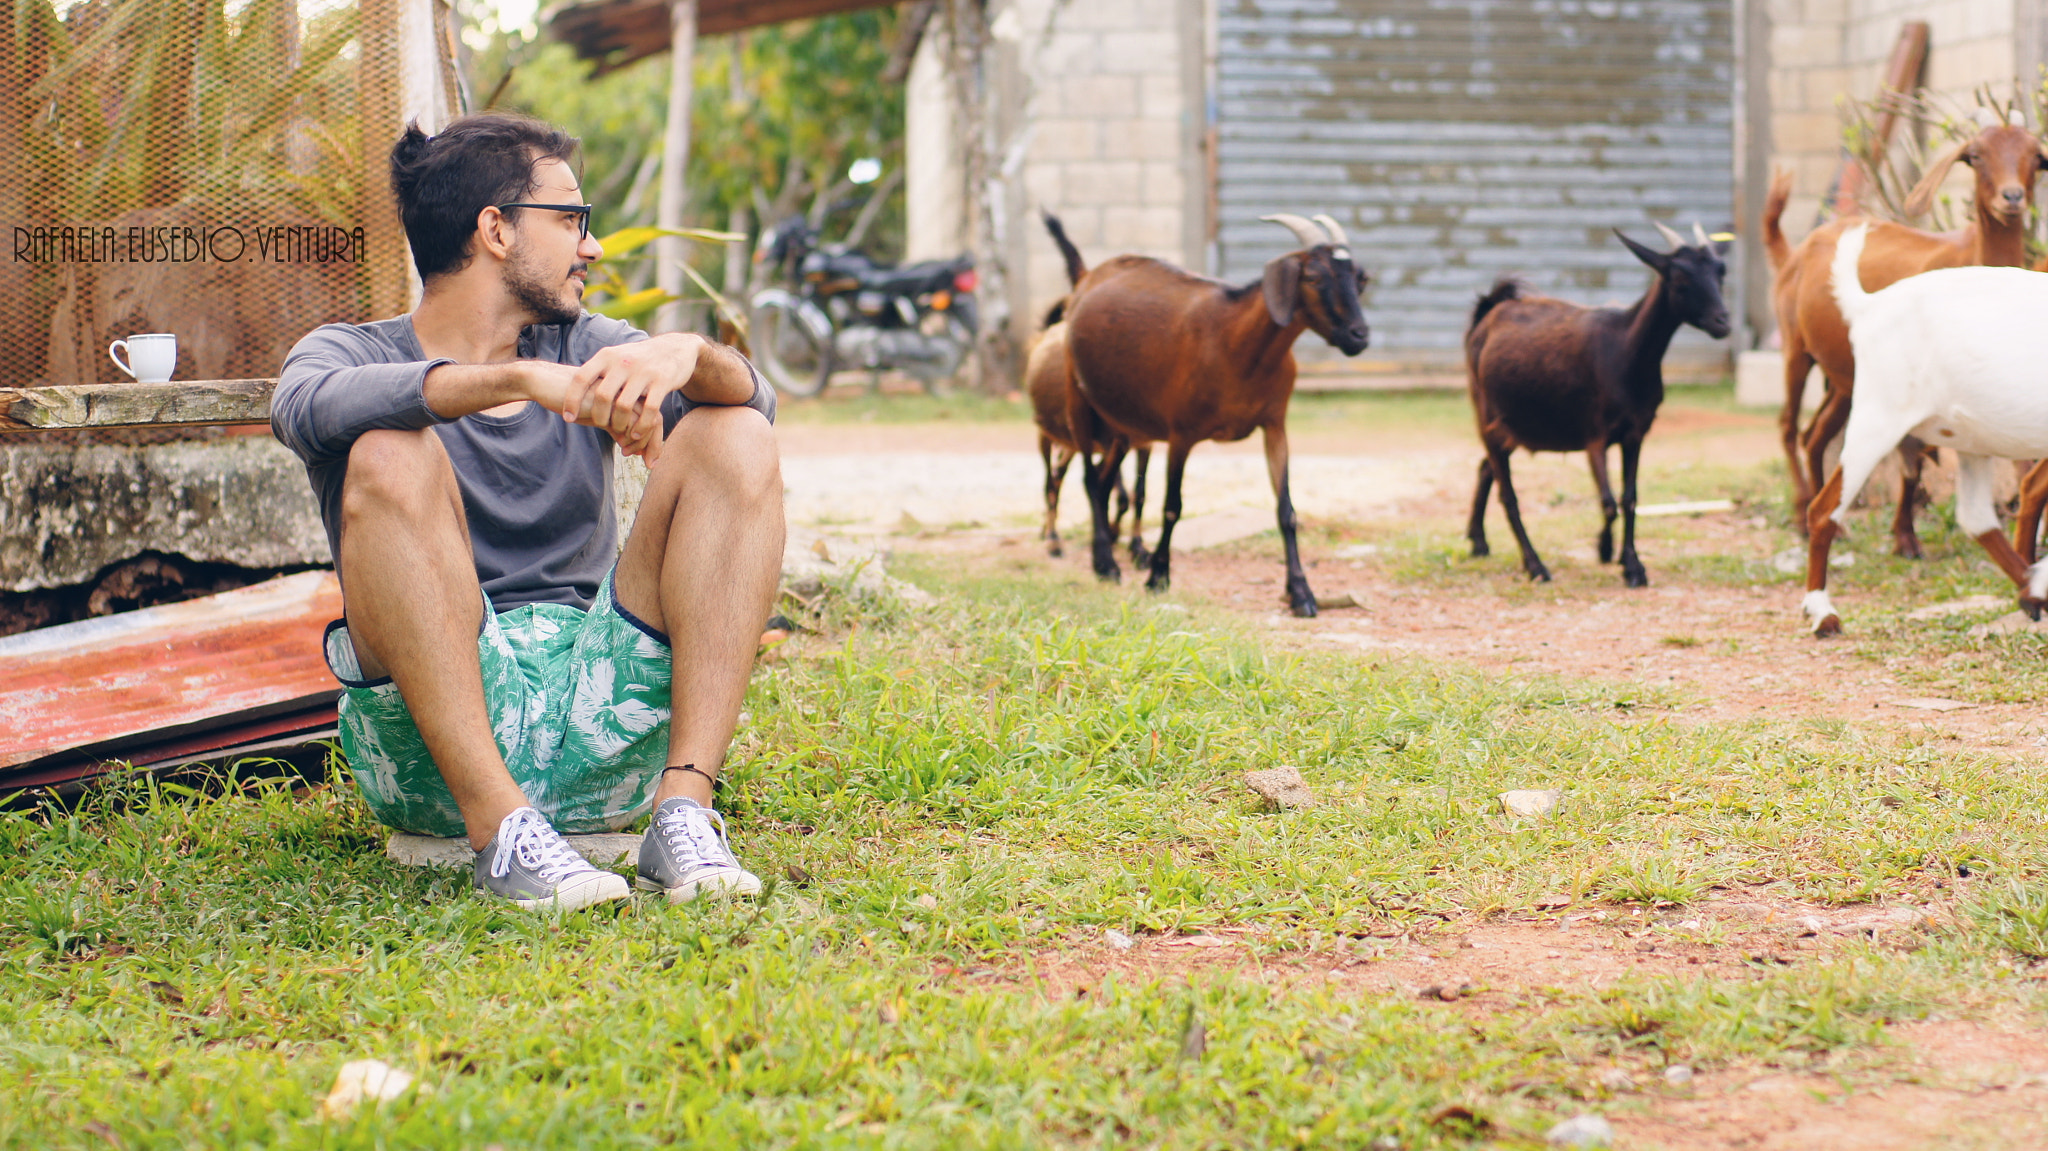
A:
(621, 389)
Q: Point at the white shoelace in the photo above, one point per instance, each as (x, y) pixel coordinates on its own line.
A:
(526, 834)
(705, 838)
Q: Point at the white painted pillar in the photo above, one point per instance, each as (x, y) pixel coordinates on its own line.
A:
(675, 159)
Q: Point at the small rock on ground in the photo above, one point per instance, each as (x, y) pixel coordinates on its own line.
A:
(1531, 804)
(1280, 785)
(1117, 939)
(1582, 1131)
(1678, 1075)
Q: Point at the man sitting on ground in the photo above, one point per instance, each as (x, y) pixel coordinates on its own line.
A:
(506, 678)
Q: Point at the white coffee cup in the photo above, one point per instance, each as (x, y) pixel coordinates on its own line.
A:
(152, 355)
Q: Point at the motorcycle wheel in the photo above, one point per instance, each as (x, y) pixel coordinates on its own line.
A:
(791, 357)
(958, 336)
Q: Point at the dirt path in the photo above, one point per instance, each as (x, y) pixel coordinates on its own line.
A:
(1731, 651)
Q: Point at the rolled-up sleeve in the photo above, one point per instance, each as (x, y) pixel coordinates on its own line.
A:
(763, 400)
(329, 395)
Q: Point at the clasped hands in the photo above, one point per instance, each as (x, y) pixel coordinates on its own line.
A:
(621, 388)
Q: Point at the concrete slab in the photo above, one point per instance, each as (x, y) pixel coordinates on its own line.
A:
(604, 850)
(1760, 382)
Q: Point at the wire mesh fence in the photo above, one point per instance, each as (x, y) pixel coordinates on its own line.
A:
(196, 167)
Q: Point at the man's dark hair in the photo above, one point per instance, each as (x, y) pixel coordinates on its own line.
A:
(442, 181)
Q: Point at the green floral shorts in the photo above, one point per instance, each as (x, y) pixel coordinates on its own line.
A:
(578, 700)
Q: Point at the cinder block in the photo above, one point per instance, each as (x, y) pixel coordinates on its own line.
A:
(1147, 231)
(1141, 139)
(1063, 138)
(1807, 132)
(1824, 86)
(1760, 381)
(1160, 185)
(1160, 97)
(1043, 183)
(1104, 182)
(1105, 97)
(1141, 52)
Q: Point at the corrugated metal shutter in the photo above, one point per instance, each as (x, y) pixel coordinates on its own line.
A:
(1458, 140)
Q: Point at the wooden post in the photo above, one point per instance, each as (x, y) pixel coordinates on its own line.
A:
(1901, 75)
(380, 101)
(675, 159)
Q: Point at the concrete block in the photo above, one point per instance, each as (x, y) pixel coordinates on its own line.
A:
(1823, 87)
(1141, 52)
(1149, 231)
(1160, 185)
(1063, 138)
(1102, 182)
(1043, 184)
(1807, 132)
(1160, 97)
(1105, 97)
(1141, 139)
(66, 512)
(1760, 381)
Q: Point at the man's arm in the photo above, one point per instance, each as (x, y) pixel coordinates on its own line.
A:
(625, 388)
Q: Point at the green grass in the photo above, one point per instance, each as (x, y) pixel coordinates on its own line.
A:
(962, 794)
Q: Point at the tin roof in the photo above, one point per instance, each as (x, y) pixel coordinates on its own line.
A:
(163, 677)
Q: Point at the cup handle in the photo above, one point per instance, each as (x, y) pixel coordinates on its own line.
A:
(123, 345)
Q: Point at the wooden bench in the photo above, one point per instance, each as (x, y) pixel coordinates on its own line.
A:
(195, 403)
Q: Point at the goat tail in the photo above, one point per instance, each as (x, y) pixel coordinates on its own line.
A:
(1775, 245)
(1076, 266)
(1504, 289)
(1849, 294)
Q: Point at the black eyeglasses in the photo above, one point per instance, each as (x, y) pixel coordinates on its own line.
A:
(582, 213)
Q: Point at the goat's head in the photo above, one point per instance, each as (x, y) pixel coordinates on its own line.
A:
(1320, 283)
(1690, 275)
(2006, 158)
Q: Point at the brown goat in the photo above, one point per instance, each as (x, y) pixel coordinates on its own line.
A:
(2006, 160)
(1163, 356)
(1551, 376)
(1049, 381)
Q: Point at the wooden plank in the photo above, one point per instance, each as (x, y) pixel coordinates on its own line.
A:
(614, 33)
(196, 403)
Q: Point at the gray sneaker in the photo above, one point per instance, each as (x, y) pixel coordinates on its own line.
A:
(685, 853)
(531, 865)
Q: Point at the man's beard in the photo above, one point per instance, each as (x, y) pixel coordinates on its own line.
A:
(531, 287)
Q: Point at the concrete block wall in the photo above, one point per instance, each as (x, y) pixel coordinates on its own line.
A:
(1822, 50)
(1106, 133)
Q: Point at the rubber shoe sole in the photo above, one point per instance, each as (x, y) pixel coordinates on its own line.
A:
(576, 894)
(719, 882)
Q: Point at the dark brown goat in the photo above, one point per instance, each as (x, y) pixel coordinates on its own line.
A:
(1556, 377)
(1163, 356)
(1049, 381)
(2006, 159)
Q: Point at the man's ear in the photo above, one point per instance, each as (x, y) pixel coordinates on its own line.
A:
(1282, 285)
(493, 232)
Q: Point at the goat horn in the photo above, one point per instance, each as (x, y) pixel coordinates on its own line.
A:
(1670, 237)
(1304, 231)
(1700, 234)
(1335, 230)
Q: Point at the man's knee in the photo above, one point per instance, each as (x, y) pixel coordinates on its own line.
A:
(735, 447)
(400, 473)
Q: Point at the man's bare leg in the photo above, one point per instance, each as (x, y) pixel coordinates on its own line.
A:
(701, 566)
(414, 611)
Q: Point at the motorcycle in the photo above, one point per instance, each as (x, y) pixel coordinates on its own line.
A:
(847, 311)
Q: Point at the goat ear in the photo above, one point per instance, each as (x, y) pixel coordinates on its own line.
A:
(1921, 197)
(1282, 285)
(1654, 259)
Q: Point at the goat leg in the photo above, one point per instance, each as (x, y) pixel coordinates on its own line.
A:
(1977, 514)
(1169, 515)
(1140, 557)
(1531, 562)
(1821, 530)
(1300, 600)
(1095, 477)
(1055, 477)
(1906, 541)
(1798, 365)
(1475, 528)
(1827, 424)
(2026, 530)
(1632, 572)
(1596, 458)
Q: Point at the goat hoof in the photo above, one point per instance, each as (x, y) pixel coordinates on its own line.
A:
(2032, 607)
(1908, 548)
(1158, 583)
(1304, 609)
(1480, 550)
(1140, 557)
(1054, 550)
(1636, 578)
(1830, 625)
(1538, 573)
(1111, 575)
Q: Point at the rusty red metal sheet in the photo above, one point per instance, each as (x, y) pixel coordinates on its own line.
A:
(156, 676)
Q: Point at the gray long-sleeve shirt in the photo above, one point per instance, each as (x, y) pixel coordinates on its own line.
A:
(537, 489)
